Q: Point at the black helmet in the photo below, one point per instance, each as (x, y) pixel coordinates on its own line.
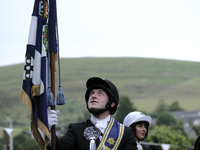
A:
(108, 87)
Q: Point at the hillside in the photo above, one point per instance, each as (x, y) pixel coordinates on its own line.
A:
(144, 81)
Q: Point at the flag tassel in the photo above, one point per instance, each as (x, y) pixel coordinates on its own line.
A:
(50, 97)
(60, 97)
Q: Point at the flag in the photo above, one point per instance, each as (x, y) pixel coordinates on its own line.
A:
(35, 76)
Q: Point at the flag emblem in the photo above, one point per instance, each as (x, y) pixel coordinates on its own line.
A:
(28, 68)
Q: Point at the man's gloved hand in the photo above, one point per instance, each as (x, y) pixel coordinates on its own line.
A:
(52, 118)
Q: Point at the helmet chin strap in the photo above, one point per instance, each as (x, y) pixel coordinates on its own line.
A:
(97, 113)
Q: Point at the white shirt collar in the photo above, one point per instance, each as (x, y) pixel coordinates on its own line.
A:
(100, 123)
(95, 120)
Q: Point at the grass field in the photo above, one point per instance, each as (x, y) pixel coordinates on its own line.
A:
(144, 81)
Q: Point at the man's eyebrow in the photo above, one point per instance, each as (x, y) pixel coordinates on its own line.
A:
(101, 90)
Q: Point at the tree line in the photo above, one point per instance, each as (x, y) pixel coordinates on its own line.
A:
(166, 129)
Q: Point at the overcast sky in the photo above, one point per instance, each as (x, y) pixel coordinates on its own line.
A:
(168, 29)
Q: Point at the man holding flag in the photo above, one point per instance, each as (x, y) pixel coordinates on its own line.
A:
(101, 131)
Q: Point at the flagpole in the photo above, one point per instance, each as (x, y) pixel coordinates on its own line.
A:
(52, 68)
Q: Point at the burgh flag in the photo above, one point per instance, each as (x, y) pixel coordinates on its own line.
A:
(35, 76)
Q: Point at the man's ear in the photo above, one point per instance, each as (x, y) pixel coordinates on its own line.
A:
(113, 104)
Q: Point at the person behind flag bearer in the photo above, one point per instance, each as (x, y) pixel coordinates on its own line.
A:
(139, 122)
(101, 131)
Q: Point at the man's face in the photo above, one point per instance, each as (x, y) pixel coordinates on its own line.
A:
(97, 99)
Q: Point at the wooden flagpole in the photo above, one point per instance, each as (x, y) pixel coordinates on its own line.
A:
(52, 68)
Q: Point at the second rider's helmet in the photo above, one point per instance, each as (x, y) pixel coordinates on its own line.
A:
(137, 117)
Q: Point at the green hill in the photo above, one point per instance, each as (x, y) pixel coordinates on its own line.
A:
(144, 81)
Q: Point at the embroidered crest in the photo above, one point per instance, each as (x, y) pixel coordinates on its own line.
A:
(111, 141)
(45, 37)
